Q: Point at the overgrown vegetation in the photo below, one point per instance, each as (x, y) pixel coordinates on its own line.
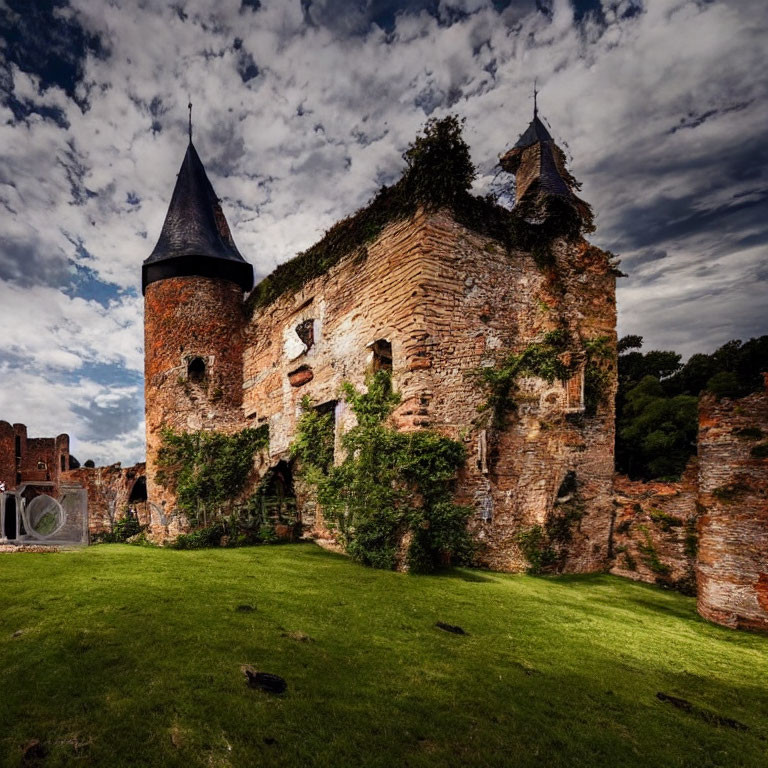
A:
(391, 486)
(543, 359)
(650, 555)
(657, 402)
(207, 471)
(598, 370)
(545, 546)
(439, 173)
(122, 530)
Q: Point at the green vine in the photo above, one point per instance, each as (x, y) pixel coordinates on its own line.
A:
(542, 359)
(207, 470)
(650, 555)
(597, 373)
(389, 484)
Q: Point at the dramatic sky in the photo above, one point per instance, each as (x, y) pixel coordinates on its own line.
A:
(302, 109)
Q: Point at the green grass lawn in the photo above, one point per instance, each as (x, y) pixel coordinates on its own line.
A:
(118, 655)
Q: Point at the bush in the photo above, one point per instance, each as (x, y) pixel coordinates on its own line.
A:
(390, 483)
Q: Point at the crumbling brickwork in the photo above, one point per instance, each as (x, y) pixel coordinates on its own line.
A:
(193, 369)
(26, 459)
(733, 494)
(445, 301)
(428, 298)
(112, 492)
(655, 537)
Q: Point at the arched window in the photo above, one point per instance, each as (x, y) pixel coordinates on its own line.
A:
(196, 369)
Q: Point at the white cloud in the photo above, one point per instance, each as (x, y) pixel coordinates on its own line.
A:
(324, 123)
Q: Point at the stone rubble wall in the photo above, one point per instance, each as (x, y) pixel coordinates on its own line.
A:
(185, 318)
(449, 301)
(733, 494)
(109, 489)
(655, 531)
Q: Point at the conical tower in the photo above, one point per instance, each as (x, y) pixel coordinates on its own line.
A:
(545, 191)
(193, 284)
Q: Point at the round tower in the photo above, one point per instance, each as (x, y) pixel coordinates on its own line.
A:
(193, 284)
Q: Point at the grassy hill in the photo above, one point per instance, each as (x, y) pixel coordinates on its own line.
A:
(116, 656)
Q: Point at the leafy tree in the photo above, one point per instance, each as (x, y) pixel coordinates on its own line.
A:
(656, 403)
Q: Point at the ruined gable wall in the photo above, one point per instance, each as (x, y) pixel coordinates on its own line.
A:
(482, 302)
(108, 489)
(368, 296)
(48, 450)
(184, 318)
(654, 534)
(449, 300)
(733, 529)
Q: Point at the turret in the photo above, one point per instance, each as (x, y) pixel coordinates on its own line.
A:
(193, 284)
(545, 191)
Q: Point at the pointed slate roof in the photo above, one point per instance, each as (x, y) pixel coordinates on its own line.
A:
(535, 132)
(195, 239)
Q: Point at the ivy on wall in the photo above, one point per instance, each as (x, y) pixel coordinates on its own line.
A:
(207, 470)
(542, 359)
(391, 486)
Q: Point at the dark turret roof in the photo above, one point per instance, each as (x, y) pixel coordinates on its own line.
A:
(536, 131)
(195, 239)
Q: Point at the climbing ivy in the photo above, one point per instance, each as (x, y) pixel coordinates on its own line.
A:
(389, 484)
(542, 359)
(597, 373)
(207, 470)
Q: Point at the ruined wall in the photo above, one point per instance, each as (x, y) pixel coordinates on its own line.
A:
(187, 320)
(484, 302)
(655, 531)
(448, 301)
(109, 493)
(30, 459)
(733, 493)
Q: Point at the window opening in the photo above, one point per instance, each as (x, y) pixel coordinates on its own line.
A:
(63, 463)
(382, 356)
(196, 369)
(306, 332)
(574, 392)
(139, 491)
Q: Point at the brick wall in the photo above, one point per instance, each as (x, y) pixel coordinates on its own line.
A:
(655, 531)
(448, 300)
(189, 318)
(733, 494)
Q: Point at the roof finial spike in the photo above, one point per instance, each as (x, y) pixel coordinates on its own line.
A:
(189, 107)
(535, 101)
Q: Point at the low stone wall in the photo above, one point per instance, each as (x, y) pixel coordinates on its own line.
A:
(654, 534)
(733, 492)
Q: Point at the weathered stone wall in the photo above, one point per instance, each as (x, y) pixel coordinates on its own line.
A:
(109, 492)
(448, 301)
(733, 494)
(654, 534)
(185, 319)
(484, 302)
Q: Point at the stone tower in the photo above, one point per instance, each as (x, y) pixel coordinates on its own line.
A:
(193, 284)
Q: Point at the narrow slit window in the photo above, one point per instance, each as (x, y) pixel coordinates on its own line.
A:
(382, 356)
(574, 392)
